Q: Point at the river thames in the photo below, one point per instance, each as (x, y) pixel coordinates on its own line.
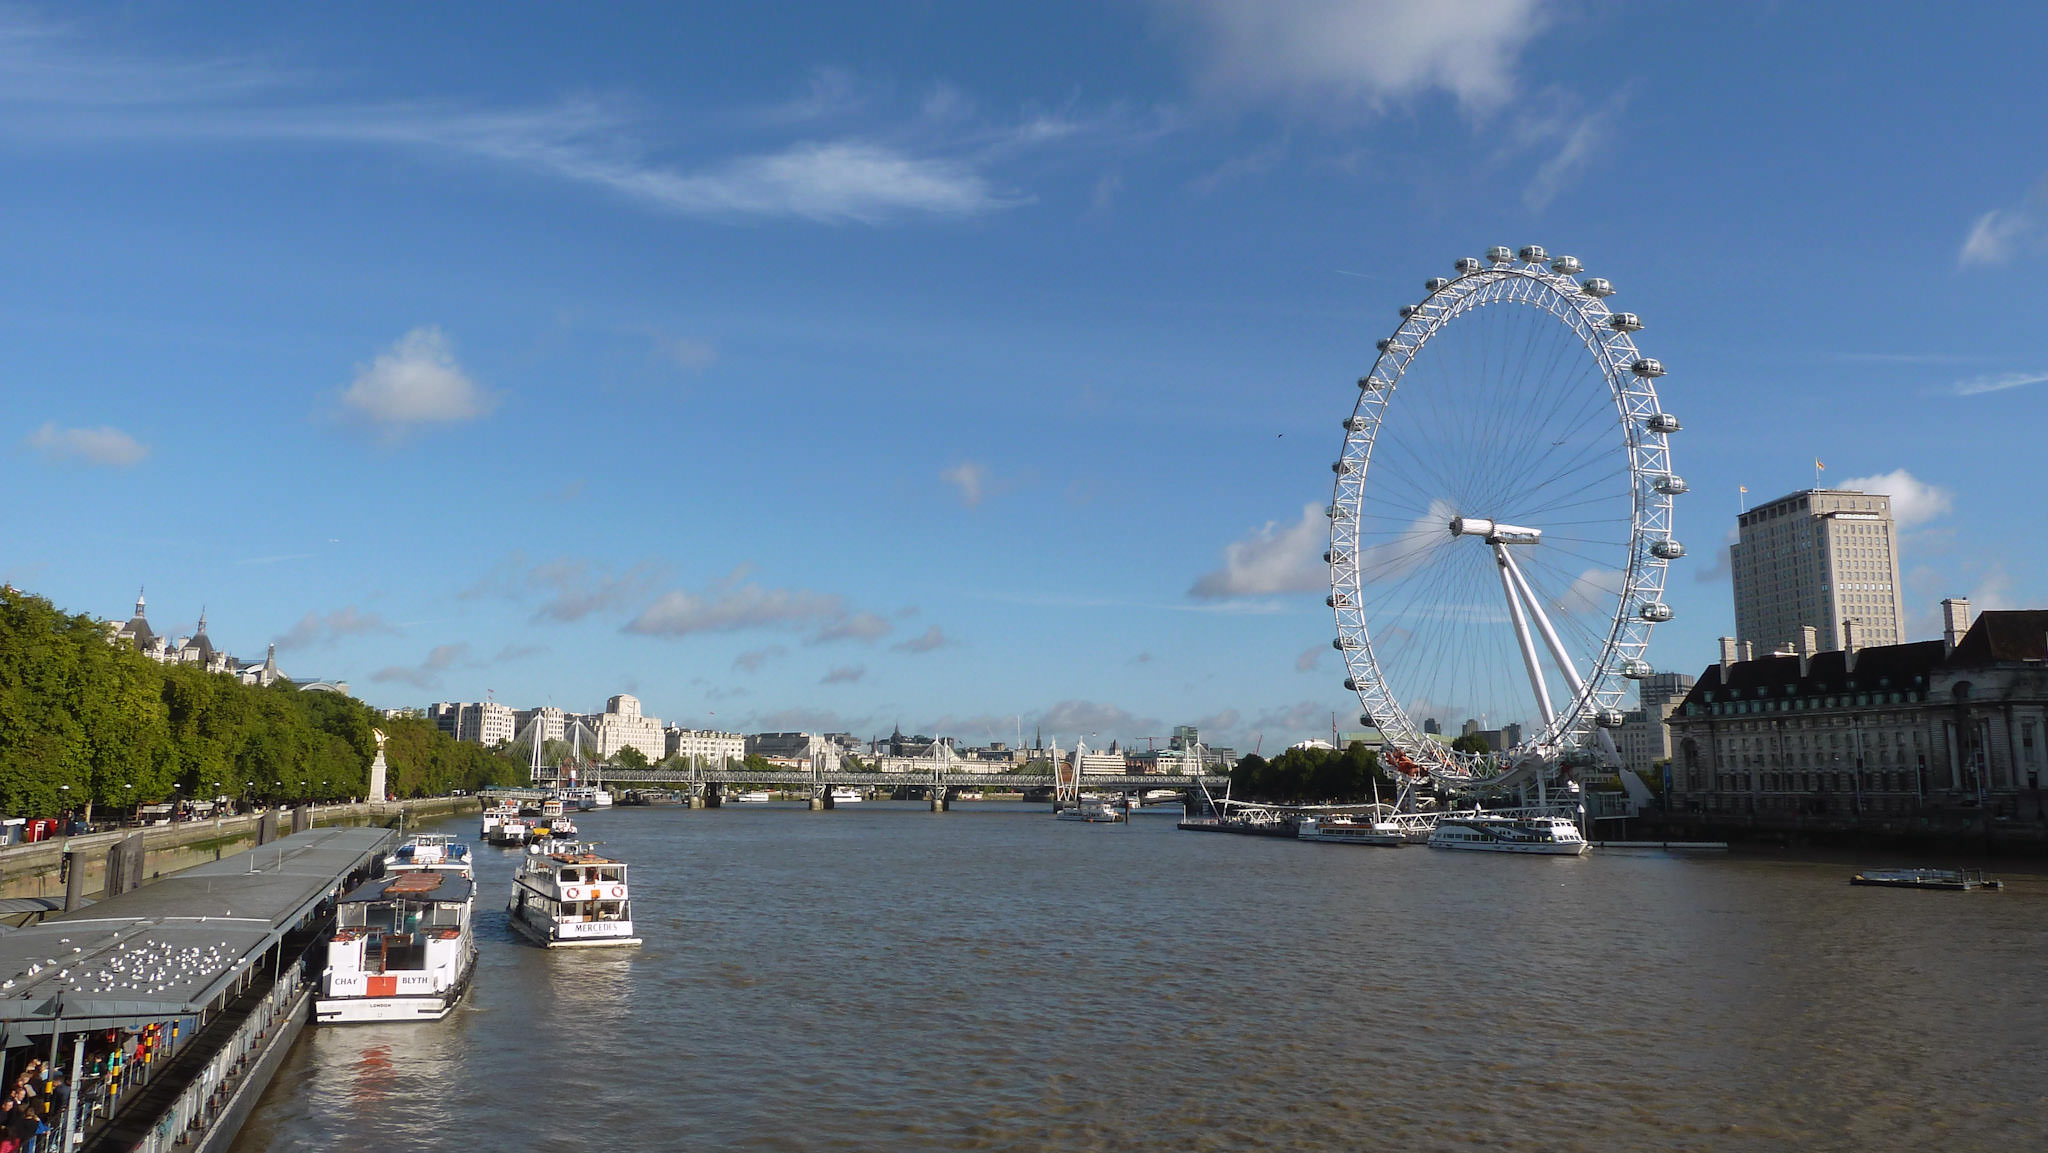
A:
(883, 977)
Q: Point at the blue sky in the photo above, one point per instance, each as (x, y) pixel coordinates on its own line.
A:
(855, 365)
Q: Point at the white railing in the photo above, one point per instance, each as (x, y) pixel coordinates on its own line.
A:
(202, 1102)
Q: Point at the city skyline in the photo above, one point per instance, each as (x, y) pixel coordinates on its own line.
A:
(957, 370)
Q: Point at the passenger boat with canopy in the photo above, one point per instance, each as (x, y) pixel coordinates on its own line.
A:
(572, 897)
(437, 851)
(403, 949)
(1499, 833)
(1342, 829)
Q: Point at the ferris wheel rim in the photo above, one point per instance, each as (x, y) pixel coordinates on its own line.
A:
(1638, 604)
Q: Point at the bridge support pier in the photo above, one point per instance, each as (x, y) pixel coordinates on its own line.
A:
(942, 800)
(707, 796)
(821, 799)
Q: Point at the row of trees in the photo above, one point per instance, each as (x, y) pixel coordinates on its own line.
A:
(86, 723)
(1312, 776)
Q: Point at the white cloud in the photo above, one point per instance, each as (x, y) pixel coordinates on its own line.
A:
(844, 675)
(970, 478)
(1978, 386)
(1594, 590)
(1914, 501)
(1995, 237)
(733, 604)
(1359, 54)
(1272, 560)
(1719, 570)
(2003, 233)
(415, 382)
(828, 181)
(102, 446)
(1096, 722)
(1310, 660)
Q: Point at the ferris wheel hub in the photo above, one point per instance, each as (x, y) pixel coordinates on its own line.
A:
(1493, 531)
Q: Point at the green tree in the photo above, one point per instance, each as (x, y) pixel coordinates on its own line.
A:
(1471, 743)
(630, 758)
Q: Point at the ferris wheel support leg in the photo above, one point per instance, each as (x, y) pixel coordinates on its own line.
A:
(1528, 643)
(1550, 638)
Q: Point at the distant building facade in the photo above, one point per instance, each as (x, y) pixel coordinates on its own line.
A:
(1958, 723)
(198, 651)
(1644, 740)
(1817, 559)
(622, 725)
(705, 748)
(485, 723)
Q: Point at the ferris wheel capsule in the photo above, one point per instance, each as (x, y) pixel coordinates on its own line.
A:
(1383, 345)
(1407, 310)
(1625, 322)
(1467, 265)
(1350, 684)
(1656, 612)
(1500, 254)
(1637, 670)
(1671, 484)
(1598, 286)
(1533, 254)
(1356, 423)
(1567, 266)
(1435, 284)
(1662, 422)
(1647, 366)
(1610, 718)
(1666, 549)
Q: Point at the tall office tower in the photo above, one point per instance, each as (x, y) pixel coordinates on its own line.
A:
(1818, 558)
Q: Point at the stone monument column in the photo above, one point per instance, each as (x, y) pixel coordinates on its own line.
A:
(378, 769)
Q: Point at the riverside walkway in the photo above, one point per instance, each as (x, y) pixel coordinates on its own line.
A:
(206, 963)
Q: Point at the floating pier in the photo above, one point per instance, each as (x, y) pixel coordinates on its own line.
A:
(206, 966)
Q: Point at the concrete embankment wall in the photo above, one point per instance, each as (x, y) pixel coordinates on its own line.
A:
(1967, 834)
(37, 870)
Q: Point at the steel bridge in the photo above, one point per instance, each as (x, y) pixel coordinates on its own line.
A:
(707, 787)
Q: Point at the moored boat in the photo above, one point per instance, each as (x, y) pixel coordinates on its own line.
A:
(402, 949)
(1490, 833)
(752, 797)
(1344, 830)
(572, 897)
(1094, 810)
(437, 851)
(1954, 880)
(844, 795)
(511, 831)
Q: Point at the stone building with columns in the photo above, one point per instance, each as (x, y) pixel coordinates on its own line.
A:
(1877, 735)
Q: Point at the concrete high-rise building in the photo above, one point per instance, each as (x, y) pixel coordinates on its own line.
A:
(1825, 559)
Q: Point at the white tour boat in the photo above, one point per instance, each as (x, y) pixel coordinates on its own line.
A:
(752, 797)
(402, 949)
(572, 897)
(1487, 833)
(843, 795)
(1343, 830)
(1094, 810)
(495, 816)
(512, 830)
(585, 797)
(430, 851)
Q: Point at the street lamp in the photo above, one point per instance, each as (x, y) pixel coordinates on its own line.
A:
(134, 814)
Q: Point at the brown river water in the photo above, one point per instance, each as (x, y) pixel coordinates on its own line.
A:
(880, 977)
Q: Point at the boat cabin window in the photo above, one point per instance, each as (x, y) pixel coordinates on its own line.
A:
(447, 914)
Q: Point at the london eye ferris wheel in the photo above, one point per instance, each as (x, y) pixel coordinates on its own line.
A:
(1501, 525)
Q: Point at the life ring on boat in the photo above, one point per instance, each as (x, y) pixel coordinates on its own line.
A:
(570, 893)
(618, 890)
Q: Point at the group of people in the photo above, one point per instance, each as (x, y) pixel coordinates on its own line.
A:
(32, 1115)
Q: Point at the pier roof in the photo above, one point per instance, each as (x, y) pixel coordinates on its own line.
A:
(171, 948)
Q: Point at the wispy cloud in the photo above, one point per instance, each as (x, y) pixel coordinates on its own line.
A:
(427, 673)
(2003, 233)
(844, 675)
(752, 660)
(732, 604)
(317, 628)
(1335, 56)
(1979, 385)
(970, 478)
(109, 447)
(931, 638)
(1274, 559)
(415, 382)
(59, 90)
(1311, 659)
(569, 588)
(855, 627)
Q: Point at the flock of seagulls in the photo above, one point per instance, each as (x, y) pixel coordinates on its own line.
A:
(141, 967)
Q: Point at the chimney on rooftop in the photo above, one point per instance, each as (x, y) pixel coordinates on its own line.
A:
(1809, 642)
(1728, 654)
(1849, 644)
(1748, 651)
(1955, 621)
